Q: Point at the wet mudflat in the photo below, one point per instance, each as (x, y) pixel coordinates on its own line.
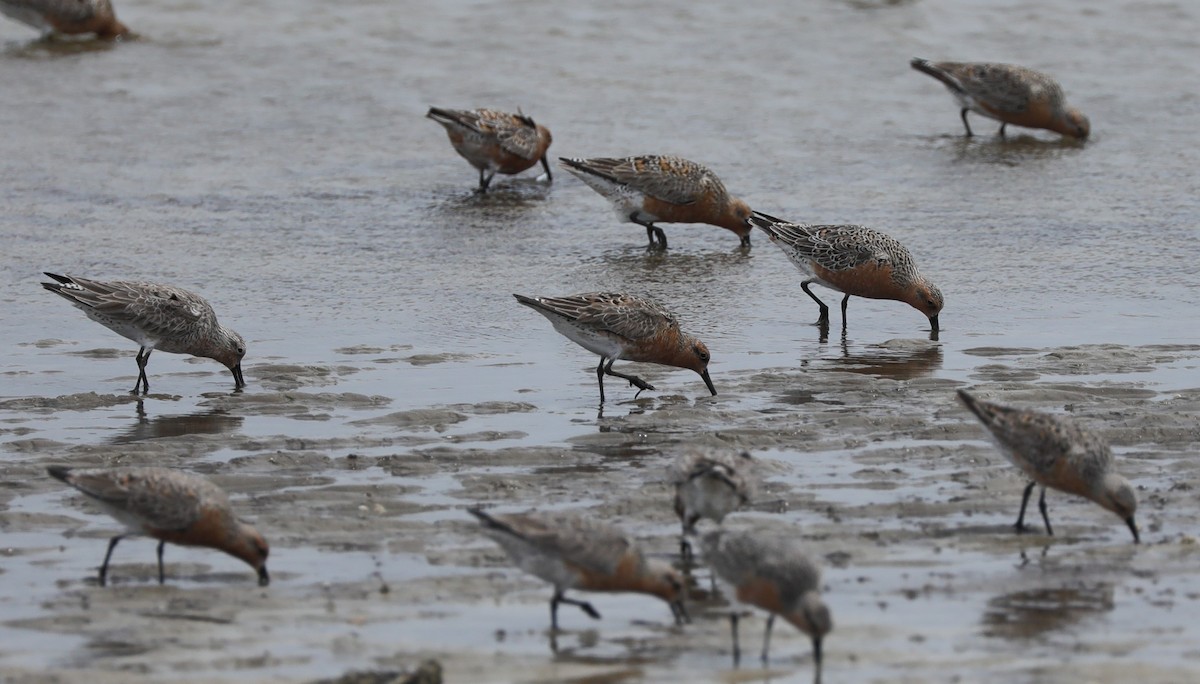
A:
(291, 179)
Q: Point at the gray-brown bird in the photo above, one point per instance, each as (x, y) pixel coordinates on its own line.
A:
(1009, 94)
(1055, 451)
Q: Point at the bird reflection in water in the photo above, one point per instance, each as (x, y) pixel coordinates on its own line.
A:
(210, 422)
(894, 359)
(1032, 613)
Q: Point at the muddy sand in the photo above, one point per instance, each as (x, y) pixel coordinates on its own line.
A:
(376, 566)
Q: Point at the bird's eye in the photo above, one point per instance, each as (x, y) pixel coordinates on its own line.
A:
(702, 354)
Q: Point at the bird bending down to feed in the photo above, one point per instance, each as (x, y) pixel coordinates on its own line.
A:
(495, 142)
(623, 326)
(1055, 451)
(660, 189)
(576, 552)
(854, 260)
(709, 483)
(1009, 94)
(170, 506)
(155, 316)
(768, 570)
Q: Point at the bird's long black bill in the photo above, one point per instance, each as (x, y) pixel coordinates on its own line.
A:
(708, 381)
(1133, 528)
(933, 323)
(263, 578)
(238, 380)
(817, 660)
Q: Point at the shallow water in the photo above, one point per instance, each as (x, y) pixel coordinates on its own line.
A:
(274, 157)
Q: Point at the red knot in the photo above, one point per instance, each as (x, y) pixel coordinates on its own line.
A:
(155, 316)
(576, 552)
(1055, 451)
(769, 571)
(623, 326)
(495, 142)
(709, 483)
(853, 260)
(1009, 94)
(170, 506)
(652, 189)
(71, 17)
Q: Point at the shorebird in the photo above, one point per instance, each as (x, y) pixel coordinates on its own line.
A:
(1054, 451)
(170, 506)
(495, 142)
(623, 326)
(769, 571)
(155, 316)
(575, 552)
(708, 484)
(853, 260)
(659, 189)
(1009, 94)
(71, 17)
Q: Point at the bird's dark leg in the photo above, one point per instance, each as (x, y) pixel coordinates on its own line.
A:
(600, 378)
(143, 357)
(1042, 508)
(634, 381)
(737, 650)
(112, 544)
(1020, 524)
(652, 231)
(559, 598)
(685, 547)
(485, 180)
(845, 300)
(823, 319)
(1002, 125)
(964, 118)
(767, 637)
(546, 166)
(161, 544)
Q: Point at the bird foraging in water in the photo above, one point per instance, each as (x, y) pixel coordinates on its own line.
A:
(156, 317)
(494, 141)
(623, 326)
(170, 506)
(854, 260)
(709, 483)
(1009, 94)
(575, 552)
(661, 189)
(768, 570)
(1055, 451)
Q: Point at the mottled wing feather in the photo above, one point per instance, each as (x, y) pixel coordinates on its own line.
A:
(629, 316)
(521, 139)
(515, 133)
(172, 502)
(740, 557)
(158, 309)
(1005, 87)
(582, 542)
(1041, 438)
(670, 179)
(836, 248)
